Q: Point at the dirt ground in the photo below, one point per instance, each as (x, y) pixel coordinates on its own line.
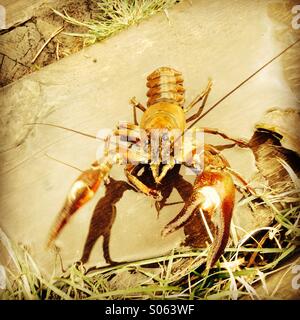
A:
(20, 43)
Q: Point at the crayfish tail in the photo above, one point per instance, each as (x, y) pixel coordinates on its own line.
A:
(165, 84)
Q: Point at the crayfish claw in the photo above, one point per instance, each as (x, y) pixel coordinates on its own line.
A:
(194, 201)
(82, 190)
(221, 218)
(213, 194)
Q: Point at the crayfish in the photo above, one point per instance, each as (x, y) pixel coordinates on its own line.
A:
(154, 142)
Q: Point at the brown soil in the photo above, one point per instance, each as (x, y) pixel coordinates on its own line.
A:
(20, 44)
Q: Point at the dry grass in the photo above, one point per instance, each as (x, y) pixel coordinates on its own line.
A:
(116, 15)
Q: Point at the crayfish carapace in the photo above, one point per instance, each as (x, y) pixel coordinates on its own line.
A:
(213, 191)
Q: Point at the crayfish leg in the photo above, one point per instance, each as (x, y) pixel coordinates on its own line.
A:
(131, 174)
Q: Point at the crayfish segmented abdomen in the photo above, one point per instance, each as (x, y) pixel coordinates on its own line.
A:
(165, 85)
